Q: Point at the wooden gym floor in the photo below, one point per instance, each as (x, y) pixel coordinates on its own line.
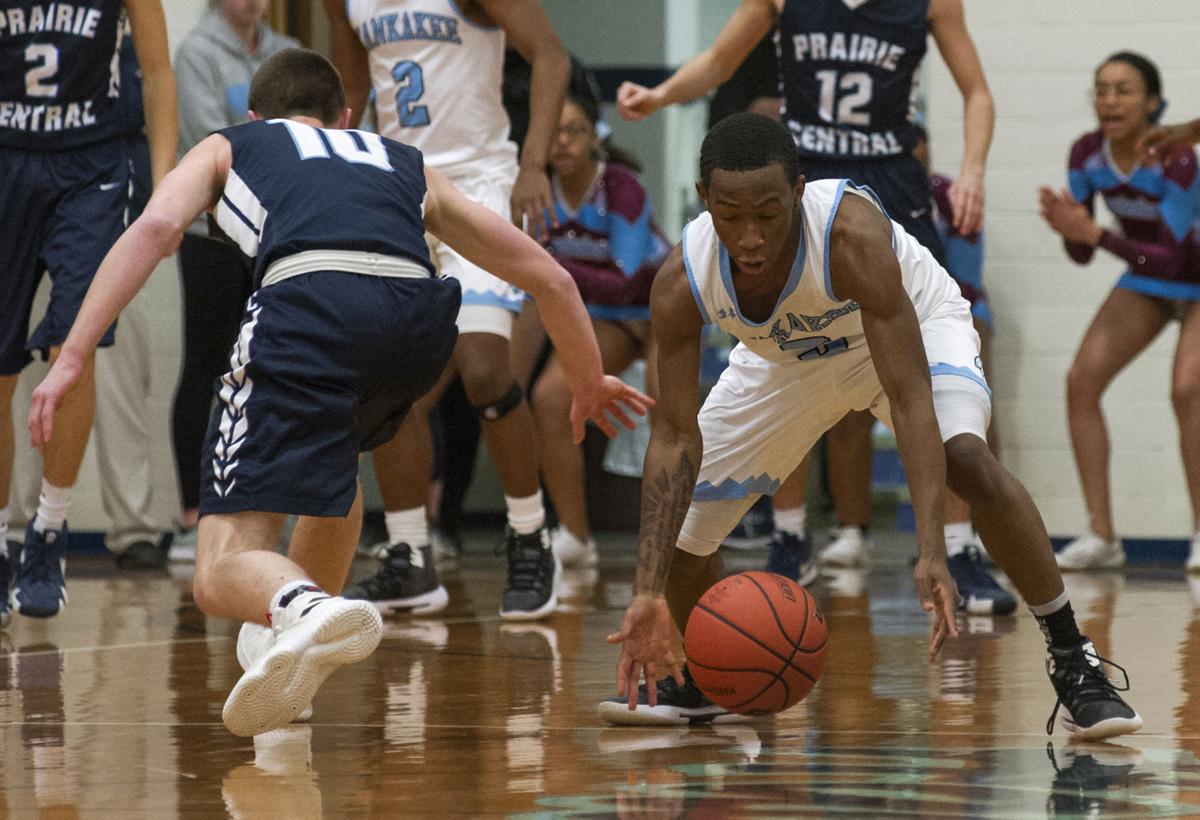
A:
(113, 710)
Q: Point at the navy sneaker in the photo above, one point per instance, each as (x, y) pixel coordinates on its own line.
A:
(406, 581)
(677, 706)
(1094, 710)
(791, 557)
(531, 592)
(41, 588)
(5, 575)
(755, 529)
(978, 592)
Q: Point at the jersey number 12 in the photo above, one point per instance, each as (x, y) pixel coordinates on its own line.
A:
(857, 87)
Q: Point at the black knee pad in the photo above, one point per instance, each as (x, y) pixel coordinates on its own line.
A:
(502, 406)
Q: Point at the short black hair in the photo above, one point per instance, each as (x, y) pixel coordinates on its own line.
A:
(746, 142)
(1142, 65)
(294, 82)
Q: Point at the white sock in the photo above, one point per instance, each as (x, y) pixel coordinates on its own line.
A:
(957, 537)
(4, 531)
(52, 507)
(407, 527)
(791, 521)
(525, 515)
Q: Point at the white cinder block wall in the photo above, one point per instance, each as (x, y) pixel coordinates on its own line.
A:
(1039, 57)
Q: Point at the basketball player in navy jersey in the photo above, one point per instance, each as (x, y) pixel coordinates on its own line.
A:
(436, 68)
(846, 74)
(346, 328)
(64, 182)
(835, 308)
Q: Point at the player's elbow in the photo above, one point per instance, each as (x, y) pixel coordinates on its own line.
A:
(161, 232)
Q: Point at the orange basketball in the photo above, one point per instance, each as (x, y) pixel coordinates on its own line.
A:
(756, 643)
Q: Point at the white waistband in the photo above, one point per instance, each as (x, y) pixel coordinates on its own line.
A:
(369, 264)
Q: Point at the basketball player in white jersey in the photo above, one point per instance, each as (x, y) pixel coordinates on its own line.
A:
(435, 67)
(836, 308)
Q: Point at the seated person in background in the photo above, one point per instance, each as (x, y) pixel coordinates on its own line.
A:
(608, 242)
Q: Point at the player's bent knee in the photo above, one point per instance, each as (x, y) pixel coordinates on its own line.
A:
(972, 471)
(501, 407)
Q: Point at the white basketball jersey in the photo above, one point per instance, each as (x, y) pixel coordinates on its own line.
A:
(437, 79)
(809, 322)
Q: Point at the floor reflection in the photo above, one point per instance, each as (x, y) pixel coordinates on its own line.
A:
(113, 710)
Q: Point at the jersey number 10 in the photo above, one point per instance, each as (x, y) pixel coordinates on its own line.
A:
(361, 147)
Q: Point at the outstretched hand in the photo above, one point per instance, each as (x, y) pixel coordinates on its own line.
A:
(610, 396)
(1158, 140)
(636, 102)
(938, 594)
(47, 397)
(645, 639)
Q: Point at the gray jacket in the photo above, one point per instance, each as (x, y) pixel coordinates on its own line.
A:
(212, 74)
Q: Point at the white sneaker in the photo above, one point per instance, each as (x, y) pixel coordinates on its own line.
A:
(314, 635)
(572, 551)
(253, 643)
(847, 549)
(1090, 551)
(1193, 561)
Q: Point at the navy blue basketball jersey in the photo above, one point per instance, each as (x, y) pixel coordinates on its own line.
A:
(846, 72)
(60, 77)
(294, 188)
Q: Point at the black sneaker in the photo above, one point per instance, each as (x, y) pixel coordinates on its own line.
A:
(1088, 771)
(406, 581)
(142, 555)
(532, 589)
(791, 557)
(1094, 710)
(5, 575)
(978, 592)
(677, 706)
(755, 528)
(41, 588)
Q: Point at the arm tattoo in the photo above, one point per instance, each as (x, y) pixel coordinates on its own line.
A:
(665, 500)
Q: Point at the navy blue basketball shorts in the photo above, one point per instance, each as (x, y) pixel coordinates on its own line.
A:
(63, 211)
(902, 185)
(326, 366)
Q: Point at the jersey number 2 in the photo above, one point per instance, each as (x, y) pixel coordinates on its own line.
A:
(411, 87)
(857, 86)
(46, 59)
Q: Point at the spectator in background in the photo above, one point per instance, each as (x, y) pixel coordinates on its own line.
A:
(1156, 213)
(214, 64)
(606, 239)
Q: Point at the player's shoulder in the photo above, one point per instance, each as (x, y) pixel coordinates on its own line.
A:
(1085, 148)
(939, 189)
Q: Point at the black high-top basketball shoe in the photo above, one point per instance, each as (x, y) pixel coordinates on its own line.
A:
(406, 581)
(533, 572)
(1093, 709)
(677, 706)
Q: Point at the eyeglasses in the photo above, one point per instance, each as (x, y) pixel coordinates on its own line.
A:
(1120, 91)
(574, 131)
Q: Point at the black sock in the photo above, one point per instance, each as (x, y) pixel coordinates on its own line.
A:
(1060, 628)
